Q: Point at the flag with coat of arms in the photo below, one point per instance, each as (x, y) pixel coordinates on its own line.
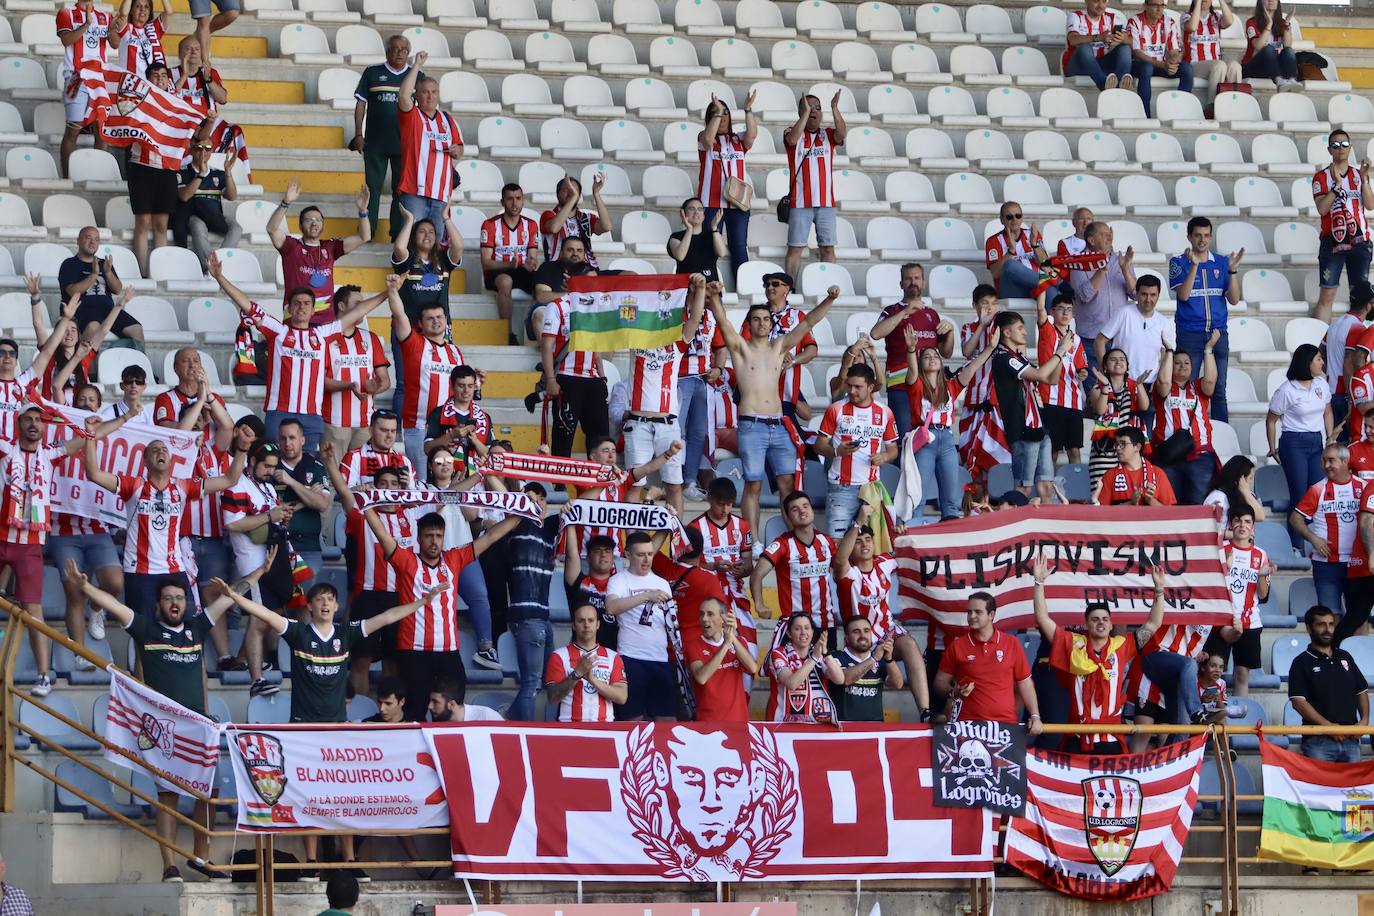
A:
(626, 311)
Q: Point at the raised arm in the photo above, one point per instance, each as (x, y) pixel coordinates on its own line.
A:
(100, 599)
(809, 321)
(1207, 381)
(841, 129)
(1041, 571)
(384, 538)
(364, 234)
(696, 299)
(49, 347)
(1164, 377)
(274, 620)
(405, 96)
(400, 246)
(493, 534)
(336, 479)
(400, 612)
(970, 368)
(95, 473)
(276, 223)
(713, 302)
(400, 324)
(218, 484)
(1156, 618)
(572, 555)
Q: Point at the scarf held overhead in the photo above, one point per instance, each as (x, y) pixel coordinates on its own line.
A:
(509, 503)
(574, 472)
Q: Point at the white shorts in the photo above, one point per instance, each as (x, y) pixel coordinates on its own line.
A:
(79, 107)
(644, 440)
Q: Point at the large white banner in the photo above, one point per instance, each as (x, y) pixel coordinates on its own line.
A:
(702, 802)
(335, 777)
(180, 746)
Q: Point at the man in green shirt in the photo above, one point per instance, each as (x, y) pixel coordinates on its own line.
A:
(379, 141)
(171, 648)
(858, 672)
(342, 894)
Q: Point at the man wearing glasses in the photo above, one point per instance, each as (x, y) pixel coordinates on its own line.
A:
(1342, 194)
(200, 211)
(783, 317)
(1014, 255)
(308, 261)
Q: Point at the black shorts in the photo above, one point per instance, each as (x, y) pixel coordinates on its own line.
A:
(520, 278)
(89, 312)
(652, 690)
(364, 605)
(1154, 711)
(152, 190)
(1064, 424)
(1244, 652)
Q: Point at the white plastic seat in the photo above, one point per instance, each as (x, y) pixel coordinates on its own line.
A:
(1105, 153)
(854, 192)
(795, 60)
(337, 11)
(699, 94)
(1203, 197)
(91, 165)
(1181, 111)
(1049, 151)
(749, 280)
(12, 127)
(119, 216)
(1258, 197)
(1034, 195)
(466, 93)
(762, 19)
(1115, 106)
(22, 73)
(849, 105)
(110, 364)
(629, 141)
(1066, 109)
(1163, 152)
(39, 32)
(1054, 231)
(1303, 330)
(1221, 154)
(882, 282)
(504, 138)
(701, 19)
(614, 55)
(1130, 234)
(668, 185)
(590, 96)
(639, 17)
(335, 86)
(873, 147)
(940, 23)
(434, 43)
(932, 149)
(171, 265)
(578, 16)
(1028, 67)
(1318, 156)
(7, 43)
(736, 59)
(991, 150)
(953, 106)
(1352, 112)
(17, 222)
(632, 265)
(539, 179)
(823, 20)
(551, 52)
(645, 232)
(68, 214)
(1251, 340)
(680, 141)
(1045, 22)
(1266, 289)
(1297, 243)
(43, 259)
(1277, 154)
(975, 65)
(652, 99)
(517, 15)
(617, 187)
(1295, 113)
(214, 320)
(528, 94)
(970, 193)
(484, 49)
(774, 101)
(674, 57)
(817, 277)
(24, 163)
(1171, 237)
(917, 64)
(1233, 235)
(951, 283)
(1240, 111)
(858, 62)
(482, 181)
(992, 25)
(881, 22)
(894, 239)
(1300, 194)
(159, 320)
(1144, 195)
(894, 105)
(358, 44)
(912, 192)
(391, 12)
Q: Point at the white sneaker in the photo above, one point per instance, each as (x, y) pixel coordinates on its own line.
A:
(694, 492)
(43, 687)
(96, 625)
(83, 664)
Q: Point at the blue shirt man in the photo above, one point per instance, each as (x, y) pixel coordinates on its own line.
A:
(1204, 286)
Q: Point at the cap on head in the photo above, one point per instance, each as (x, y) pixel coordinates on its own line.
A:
(779, 275)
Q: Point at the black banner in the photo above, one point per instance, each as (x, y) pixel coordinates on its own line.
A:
(980, 765)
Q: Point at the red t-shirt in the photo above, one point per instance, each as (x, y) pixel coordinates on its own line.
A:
(1120, 486)
(689, 591)
(311, 266)
(995, 667)
(923, 321)
(722, 697)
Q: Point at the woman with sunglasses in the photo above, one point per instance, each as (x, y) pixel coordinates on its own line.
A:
(1015, 254)
(721, 152)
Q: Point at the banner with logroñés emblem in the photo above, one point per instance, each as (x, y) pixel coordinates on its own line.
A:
(701, 802)
(1107, 828)
(179, 746)
(335, 777)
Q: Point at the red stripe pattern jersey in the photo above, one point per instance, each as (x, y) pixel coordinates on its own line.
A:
(872, 427)
(998, 247)
(360, 465)
(154, 523)
(1068, 391)
(141, 46)
(789, 384)
(1155, 40)
(923, 412)
(1204, 41)
(1346, 220)
(1185, 407)
(295, 362)
(803, 577)
(1332, 511)
(557, 324)
(371, 571)
(653, 380)
(13, 398)
(1361, 393)
(425, 366)
(584, 703)
(1243, 576)
(93, 42)
(812, 162)
(869, 595)
(1081, 24)
(434, 627)
(426, 168)
(697, 359)
(203, 516)
(507, 244)
(980, 386)
(25, 506)
(354, 358)
(724, 160)
(726, 545)
(1100, 697)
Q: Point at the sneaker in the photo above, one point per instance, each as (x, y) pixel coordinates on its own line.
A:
(96, 625)
(359, 875)
(487, 658)
(1128, 83)
(262, 688)
(231, 663)
(309, 873)
(1200, 717)
(1235, 710)
(171, 875)
(43, 687)
(208, 870)
(694, 492)
(82, 663)
(1112, 82)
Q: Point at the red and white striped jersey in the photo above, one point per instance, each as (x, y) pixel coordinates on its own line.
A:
(1181, 639)
(1332, 512)
(168, 405)
(697, 359)
(653, 380)
(425, 366)
(295, 362)
(980, 387)
(1358, 567)
(203, 516)
(727, 544)
(1157, 39)
(426, 168)
(72, 468)
(998, 247)
(354, 358)
(869, 595)
(577, 363)
(584, 703)
(724, 410)
(801, 703)
(923, 412)
(26, 505)
(1068, 391)
(13, 398)
(140, 46)
(724, 160)
(1185, 407)
(812, 163)
(789, 383)
(434, 627)
(371, 571)
(1097, 698)
(360, 465)
(1204, 41)
(153, 530)
(872, 427)
(1346, 220)
(1242, 577)
(1361, 393)
(1080, 23)
(803, 576)
(509, 244)
(93, 41)
(196, 89)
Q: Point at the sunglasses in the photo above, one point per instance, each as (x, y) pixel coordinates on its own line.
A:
(1339, 144)
(382, 413)
(1008, 217)
(772, 283)
(127, 381)
(7, 352)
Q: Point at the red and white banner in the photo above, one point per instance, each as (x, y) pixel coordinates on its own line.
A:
(574, 472)
(1096, 553)
(702, 802)
(1107, 828)
(181, 747)
(132, 110)
(335, 777)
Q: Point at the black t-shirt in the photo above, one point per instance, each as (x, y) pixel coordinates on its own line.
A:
(209, 195)
(1007, 366)
(701, 254)
(75, 270)
(1331, 683)
(306, 523)
(584, 591)
(319, 669)
(861, 701)
(173, 659)
(377, 88)
(426, 282)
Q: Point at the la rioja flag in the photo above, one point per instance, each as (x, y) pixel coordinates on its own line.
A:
(626, 312)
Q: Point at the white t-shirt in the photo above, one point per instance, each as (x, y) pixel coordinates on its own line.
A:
(1218, 498)
(1301, 409)
(1142, 338)
(643, 629)
(1338, 340)
(475, 713)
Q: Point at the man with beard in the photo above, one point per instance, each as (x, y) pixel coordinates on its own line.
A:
(446, 704)
(858, 672)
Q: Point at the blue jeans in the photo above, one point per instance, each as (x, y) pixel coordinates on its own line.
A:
(429, 208)
(1329, 579)
(1355, 262)
(693, 417)
(414, 440)
(1083, 62)
(1017, 281)
(1194, 343)
(899, 401)
(939, 461)
(398, 388)
(1332, 750)
(1144, 71)
(1176, 677)
(841, 505)
(1270, 64)
(1191, 479)
(472, 588)
(764, 448)
(313, 424)
(736, 226)
(533, 645)
(1300, 455)
(1031, 461)
(1340, 409)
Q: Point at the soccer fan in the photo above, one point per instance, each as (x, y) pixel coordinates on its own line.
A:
(604, 452)
(140, 34)
(1116, 401)
(1097, 47)
(695, 248)
(320, 651)
(1014, 398)
(378, 452)
(1096, 663)
(984, 671)
(1204, 284)
(1326, 687)
(1303, 404)
(859, 436)
(509, 249)
(301, 485)
(427, 271)
(1061, 401)
(600, 669)
(431, 145)
(589, 587)
(170, 643)
(811, 162)
(1134, 481)
(1362, 452)
(427, 643)
(721, 152)
(427, 360)
(1100, 295)
(1077, 243)
(95, 281)
(1202, 27)
(1325, 517)
(803, 559)
(719, 659)
(1343, 194)
(201, 189)
(376, 128)
(531, 550)
(1234, 485)
(551, 279)
(446, 704)
(295, 354)
(568, 222)
(190, 373)
(1157, 50)
(1183, 421)
(74, 357)
(85, 32)
(356, 370)
(574, 382)
(133, 381)
(1269, 47)
(646, 613)
(783, 317)
(728, 551)
(152, 184)
(459, 424)
(1140, 333)
(795, 666)
(391, 702)
(858, 672)
(1248, 572)
(1015, 254)
(309, 261)
(1343, 356)
(929, 330)
(699, 368)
